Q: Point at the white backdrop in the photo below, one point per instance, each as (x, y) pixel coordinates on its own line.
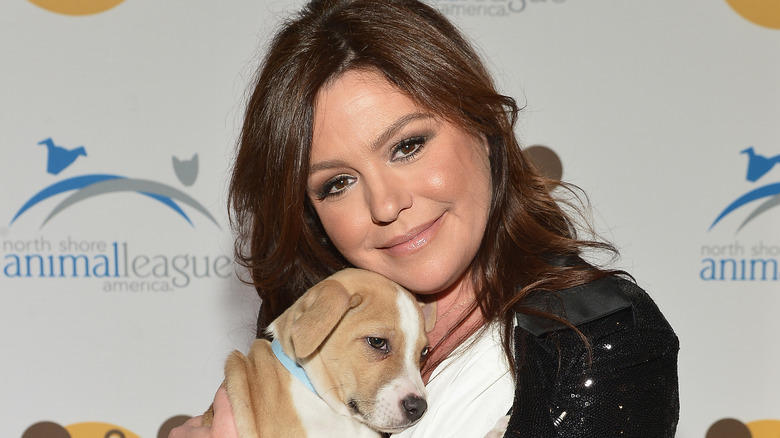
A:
(118, 308)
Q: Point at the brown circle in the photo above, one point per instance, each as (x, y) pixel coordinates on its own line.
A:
(46, 429)
(728, 428)
(170, 423)
(114, 433)
(546, 160)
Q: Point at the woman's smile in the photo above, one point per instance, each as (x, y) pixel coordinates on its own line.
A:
(414, 239)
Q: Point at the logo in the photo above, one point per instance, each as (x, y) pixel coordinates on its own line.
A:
(115, 260)
(79, 7)
(733, 428)
(48, 429)
(489, 8)
(757, 167)
(88, 186)
(754, 259)
(762, 12)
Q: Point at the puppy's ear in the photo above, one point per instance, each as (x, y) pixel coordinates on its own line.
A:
(324, 306)
(429, 314)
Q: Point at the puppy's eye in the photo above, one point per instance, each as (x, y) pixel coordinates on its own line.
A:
(424, 352)
(377, 343)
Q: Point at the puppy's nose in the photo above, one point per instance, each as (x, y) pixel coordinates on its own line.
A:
(414, 406)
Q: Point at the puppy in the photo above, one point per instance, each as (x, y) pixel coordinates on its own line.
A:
(359, 339)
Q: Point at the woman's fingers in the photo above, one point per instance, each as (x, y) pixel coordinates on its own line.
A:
(191, 429)
(222, 426)
(500, 428)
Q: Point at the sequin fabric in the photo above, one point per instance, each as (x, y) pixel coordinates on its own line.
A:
(626, 387)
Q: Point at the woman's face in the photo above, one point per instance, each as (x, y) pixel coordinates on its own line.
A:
(398, 190)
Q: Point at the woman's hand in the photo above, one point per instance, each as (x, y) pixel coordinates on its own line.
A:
(223, 425)
(500, 429)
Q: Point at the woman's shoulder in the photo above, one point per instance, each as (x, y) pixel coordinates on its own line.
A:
(622, 381)
(596, 309)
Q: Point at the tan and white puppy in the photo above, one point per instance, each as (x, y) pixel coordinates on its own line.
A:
(360, 339)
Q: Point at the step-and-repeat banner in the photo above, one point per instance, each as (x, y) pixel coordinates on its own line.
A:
(118, 295)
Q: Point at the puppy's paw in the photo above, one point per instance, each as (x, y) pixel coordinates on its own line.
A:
(499, 429)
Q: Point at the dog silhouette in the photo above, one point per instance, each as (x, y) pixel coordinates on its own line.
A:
(59, 157)
(758, 165)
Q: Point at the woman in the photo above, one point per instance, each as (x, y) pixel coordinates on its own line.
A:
(375, 138)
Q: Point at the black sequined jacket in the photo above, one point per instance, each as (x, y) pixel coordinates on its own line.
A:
(625, 385)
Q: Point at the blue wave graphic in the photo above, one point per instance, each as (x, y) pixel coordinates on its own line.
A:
(772, 202)
(761, 192)
(87, 186)
(74, 183)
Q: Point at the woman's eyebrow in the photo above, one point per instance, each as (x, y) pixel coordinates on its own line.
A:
(383, 138)
(396, 126)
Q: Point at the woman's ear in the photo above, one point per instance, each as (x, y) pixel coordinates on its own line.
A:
(485, 144)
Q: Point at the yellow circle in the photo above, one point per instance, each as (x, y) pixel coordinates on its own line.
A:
(762, 12)
(764, 428)
(96, 429)
(76, 7)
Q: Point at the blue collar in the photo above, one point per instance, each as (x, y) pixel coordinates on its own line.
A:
(296, 370)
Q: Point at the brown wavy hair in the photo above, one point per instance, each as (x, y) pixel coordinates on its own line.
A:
(530, 242)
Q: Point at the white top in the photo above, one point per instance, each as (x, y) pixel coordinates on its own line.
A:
(469, 391)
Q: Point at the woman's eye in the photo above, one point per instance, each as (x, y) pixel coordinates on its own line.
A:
(335, 186)
(339, 184)
(377, 343)
(408, 148)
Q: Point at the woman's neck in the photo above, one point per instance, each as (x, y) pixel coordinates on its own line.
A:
(457, 317)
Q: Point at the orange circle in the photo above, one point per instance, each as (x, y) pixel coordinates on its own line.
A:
(76, 7)
(762, 12)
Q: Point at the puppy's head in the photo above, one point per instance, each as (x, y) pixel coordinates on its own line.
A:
(361, 339)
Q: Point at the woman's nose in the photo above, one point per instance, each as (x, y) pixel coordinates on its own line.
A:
(386, 197)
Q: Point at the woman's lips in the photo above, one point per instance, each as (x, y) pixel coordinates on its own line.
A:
(413, 239)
